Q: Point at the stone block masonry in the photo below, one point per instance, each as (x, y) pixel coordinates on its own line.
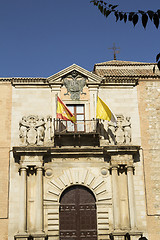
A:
(5, 136)
(149, 110)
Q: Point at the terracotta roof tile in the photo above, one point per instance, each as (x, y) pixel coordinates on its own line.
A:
(122, 63)
(116, 68)
(126, 72)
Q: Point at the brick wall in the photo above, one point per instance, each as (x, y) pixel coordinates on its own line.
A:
(149, 109)
(5, 136)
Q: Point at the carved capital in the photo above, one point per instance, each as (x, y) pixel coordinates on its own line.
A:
(130, 168)
(39, 168)
(114, 167)
(22, 169)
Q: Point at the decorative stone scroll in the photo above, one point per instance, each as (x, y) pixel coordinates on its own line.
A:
(74, 82)
(120, 133)
(35, 130)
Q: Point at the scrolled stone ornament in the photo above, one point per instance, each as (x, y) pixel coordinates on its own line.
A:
(32, 130)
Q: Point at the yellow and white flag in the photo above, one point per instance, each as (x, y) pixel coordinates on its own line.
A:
(104, 112)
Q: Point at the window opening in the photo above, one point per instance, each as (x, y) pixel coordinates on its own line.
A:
(79, 113)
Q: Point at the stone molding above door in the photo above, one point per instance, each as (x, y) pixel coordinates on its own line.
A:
(84, 177)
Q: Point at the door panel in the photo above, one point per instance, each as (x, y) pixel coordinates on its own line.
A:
(78, 214)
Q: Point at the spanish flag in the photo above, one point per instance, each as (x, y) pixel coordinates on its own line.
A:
(63, 112)
(104, 112)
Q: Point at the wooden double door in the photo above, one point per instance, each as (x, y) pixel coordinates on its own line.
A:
(77, 214)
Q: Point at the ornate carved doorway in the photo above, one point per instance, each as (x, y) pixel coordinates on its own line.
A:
(78, 220)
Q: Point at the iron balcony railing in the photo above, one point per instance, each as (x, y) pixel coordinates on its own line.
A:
(80, 126)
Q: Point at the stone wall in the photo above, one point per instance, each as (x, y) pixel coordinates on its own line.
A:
(5, 130)
(40, 101)
(149, 110)
(29, 101)
(123, 100)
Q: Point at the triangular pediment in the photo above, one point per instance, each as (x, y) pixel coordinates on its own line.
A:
(58, 77)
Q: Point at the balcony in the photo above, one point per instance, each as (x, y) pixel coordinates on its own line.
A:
(81, 133)
(46, 131)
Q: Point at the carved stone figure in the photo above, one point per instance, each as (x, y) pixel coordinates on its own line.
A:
(120, 130)
(49, 130)
(32, 130)
(40, 134)
(74, 82)
(23, 131)
(127, 130)
(111, 133)
(120, 133)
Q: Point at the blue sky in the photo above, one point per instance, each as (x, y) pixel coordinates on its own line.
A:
(41, 37)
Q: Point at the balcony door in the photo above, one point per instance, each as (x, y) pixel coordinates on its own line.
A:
(79, 113)
(77, 216)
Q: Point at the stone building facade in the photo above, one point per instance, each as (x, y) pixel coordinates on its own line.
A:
(5, 144)
(149, 102)
(89, 180)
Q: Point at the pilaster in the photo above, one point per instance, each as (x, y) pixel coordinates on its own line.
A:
(30, 164)
(22, 228)
(39, 200)
(131, 197)
(123, 191)
(116, 212)
(23, 201)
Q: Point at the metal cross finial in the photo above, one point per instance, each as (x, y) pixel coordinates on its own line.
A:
(114, 48)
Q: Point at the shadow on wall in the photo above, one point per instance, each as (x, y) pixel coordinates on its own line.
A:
(116, 134)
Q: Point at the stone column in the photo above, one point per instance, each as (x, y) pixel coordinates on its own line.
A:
(116, 212)
(23, 202)
(123, 197)
(39, 201)
(131, 197)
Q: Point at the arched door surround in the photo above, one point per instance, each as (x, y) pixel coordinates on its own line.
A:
(77, 214)
(98, 186)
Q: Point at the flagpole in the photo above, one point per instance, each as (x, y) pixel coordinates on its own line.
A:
(56, 99)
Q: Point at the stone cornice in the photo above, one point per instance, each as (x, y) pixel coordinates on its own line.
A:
(29, 82)
(57, 152)
(114, 80)
(5, 80)
(127, 80)
(70, 152)
(121, 150)
(25, 81)
(110, 149)
(92, 79)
